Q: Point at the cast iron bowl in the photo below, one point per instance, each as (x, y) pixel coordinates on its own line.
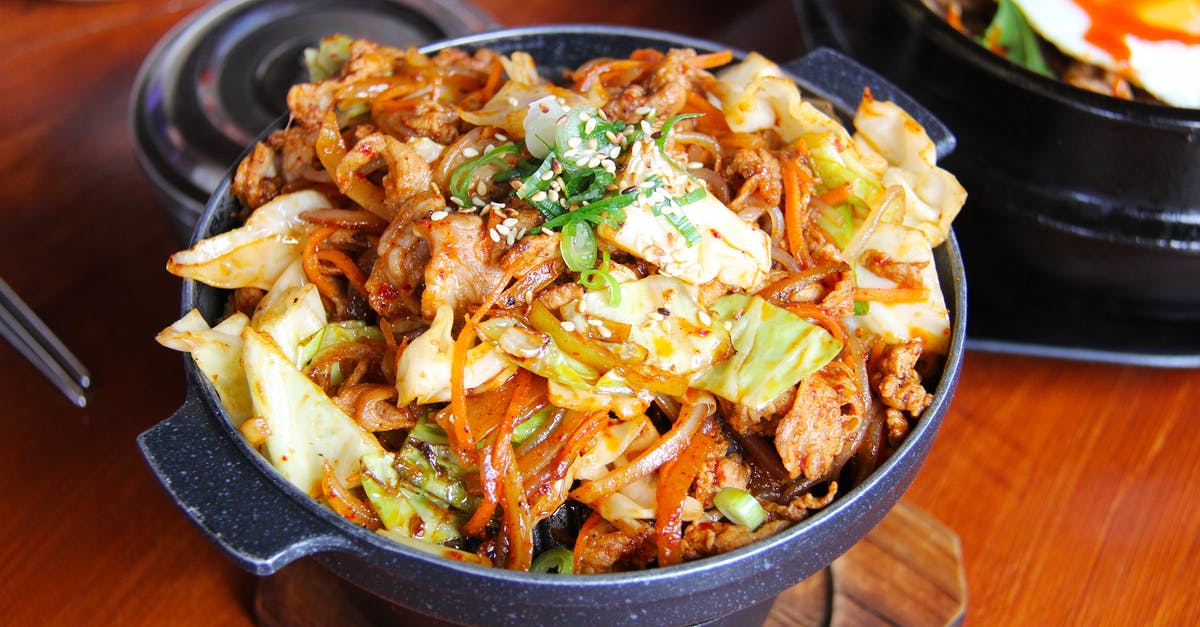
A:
(263, 523)
(1096, 194)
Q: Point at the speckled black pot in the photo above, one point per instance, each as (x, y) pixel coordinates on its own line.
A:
(1093, 194)
(263, 523)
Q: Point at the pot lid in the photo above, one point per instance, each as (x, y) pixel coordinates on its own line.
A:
(220, 77)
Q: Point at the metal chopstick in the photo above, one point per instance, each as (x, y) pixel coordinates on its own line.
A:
(30, 336)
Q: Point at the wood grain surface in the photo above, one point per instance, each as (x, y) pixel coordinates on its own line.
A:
(1071, 485)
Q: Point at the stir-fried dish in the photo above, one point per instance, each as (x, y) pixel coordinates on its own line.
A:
(650, 311)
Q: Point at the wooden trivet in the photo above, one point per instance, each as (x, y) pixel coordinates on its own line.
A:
(907, 571)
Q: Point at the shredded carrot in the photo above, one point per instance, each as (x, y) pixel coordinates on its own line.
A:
(711, 60)
(713, 120)
(493, 80)
(597, 72)
(675, 479)
(795, 210)
(817, 314)
(498, 455)
(312, 264)
(837, 195)
(577, 441)
(347, 267)
(464, 442)
(891, 294)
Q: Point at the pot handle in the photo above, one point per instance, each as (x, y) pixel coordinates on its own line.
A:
(258, 525)
(838, 78)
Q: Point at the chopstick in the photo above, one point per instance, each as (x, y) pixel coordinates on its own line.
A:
(30, 336)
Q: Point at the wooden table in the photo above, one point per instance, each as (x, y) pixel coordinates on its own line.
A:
(1070, 484)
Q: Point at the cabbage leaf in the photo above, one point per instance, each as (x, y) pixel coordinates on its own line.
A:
(773, 350)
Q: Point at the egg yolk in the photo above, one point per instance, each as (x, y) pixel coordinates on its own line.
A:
(1149, 20)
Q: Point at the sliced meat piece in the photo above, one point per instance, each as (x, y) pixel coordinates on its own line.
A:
(711, 538)
(460, 273)
(813, 433)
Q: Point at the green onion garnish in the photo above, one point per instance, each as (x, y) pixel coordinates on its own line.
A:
(740, 507)
(530, 425)
(578, 245)
(460, 178)
(558, 559)
(600, 278)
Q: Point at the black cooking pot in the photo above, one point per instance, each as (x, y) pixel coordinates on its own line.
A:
(264, 523)
(1087, 192)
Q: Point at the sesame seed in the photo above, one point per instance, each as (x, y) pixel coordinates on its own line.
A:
(511, 239)
(456, 200)
(556, 166)
(538, 197)
(694, 165)
(645, 127)
(561, 119)
(573, 142)
(494, 235)
(438, 215)
(503, 229)
(509, 222)
(705, 319)
(596, 322)
(553, 194)
(589, 126)
(642, 110)
(593, 143)
(512, 102)
(567, 326)
(582, 306)
(654, 315)
(604, 332)
(609, 164)
(585, 116)
(603, 115)
(647, 184)
(547, 175)
(728, 325)
(615, 152)
(516, 184)
(629, 190)
(488, 148)
(477, 201)
(522, 232)
(612, 137)
(501, 137)
(470, 152)
(664, 312)
(594, 162)
(481, 188)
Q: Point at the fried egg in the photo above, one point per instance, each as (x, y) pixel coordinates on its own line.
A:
(1153, 43)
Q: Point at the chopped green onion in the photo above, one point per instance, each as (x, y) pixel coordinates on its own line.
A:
(460, 178)
(740, 507)
(558, 559)
(530, 425)
(861, 307)
(578, 245)
(600, 277)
